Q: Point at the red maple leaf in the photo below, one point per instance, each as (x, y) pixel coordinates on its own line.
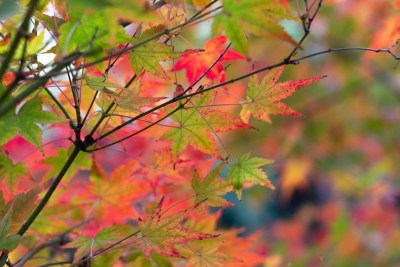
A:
(197, 64)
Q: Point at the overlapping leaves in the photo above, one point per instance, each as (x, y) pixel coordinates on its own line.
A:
(147, 56)
(210, 188)
(259, 17)
(195, 128)
(160, 232)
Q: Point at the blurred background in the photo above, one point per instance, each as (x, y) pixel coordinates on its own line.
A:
(336, 168)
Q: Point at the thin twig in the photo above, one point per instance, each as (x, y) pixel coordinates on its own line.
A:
(36, 149)
(126, 116)
(295, 62)
(218, 105)
(58, 104)
(55, 263)
(59, 241)
(166, 31)
(105, 249)
(215, 133)
(168, 102)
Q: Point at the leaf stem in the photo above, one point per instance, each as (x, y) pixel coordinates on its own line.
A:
(216, 135)
(105, 249)
(32, 252)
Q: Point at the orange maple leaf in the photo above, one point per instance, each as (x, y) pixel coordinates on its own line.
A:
(115, 193)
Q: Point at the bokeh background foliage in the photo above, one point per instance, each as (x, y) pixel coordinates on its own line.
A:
(336, 171)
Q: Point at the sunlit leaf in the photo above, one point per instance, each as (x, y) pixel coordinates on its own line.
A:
(211, 187)
(25, 123)
(196, 65)
(264, 98)
(247, 170)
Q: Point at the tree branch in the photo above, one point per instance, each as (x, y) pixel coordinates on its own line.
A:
(39, 81)
(21, 32)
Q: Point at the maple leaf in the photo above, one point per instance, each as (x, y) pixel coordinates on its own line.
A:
(198, 64)
(260, 17)
(209, 189)
(160, 232)
(161, 167)
(195, 128)
(22, 205)
(131, 100)
(86, 244)
(10, 172)
(100, 84)
(116, 192)
(147, 56)
(155, 260)
(247, 170)
(8, 242)
(264, 99)
(57, 162)
(24, 123)
(209, 256)
(74, 35)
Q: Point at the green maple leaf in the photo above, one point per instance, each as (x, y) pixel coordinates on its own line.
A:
(139, 259)
(259, 17)
(57, 162)
(160, 232)
(247, 170)
(100, 84)
(208, 256)
(264, 98)
(21, 205)
(10, 172)
(88, 245)
(24, 123)
(8, 242)
(194, 129)
(78, 33)
(210, 188)
(147, 56)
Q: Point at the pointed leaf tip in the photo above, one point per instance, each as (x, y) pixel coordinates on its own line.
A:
(264, 98)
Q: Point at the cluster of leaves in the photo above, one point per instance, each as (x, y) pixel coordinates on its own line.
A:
(113, 152)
